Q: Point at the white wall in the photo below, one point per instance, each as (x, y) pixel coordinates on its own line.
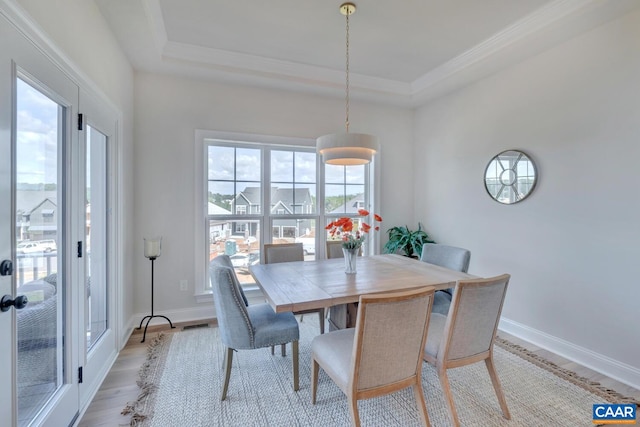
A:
(572, 248)
(80, 33)
(169, 109)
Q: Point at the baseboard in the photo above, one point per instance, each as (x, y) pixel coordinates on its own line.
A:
(605, 365)
(176, 316)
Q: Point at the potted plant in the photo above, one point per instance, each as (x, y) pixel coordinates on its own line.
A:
(407, 241)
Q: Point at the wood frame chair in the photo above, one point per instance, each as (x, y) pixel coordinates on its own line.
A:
(288, 252)
(466, 335)
(382, 354)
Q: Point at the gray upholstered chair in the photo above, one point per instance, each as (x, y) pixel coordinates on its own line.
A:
(467, 333)
(334, 249)
(289, 252)
(245, 327)
(449, 257)
(382, 354)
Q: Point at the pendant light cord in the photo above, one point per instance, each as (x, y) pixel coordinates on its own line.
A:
(346, 123)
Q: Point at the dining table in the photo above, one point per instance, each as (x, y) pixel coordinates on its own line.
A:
(305, 285)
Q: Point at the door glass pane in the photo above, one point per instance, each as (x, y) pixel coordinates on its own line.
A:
(96, 235)
(39, 274)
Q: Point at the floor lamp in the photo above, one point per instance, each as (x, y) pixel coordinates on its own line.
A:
(152, 249)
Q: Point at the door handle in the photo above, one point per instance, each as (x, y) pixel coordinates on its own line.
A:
(19, 303)
(6, 268)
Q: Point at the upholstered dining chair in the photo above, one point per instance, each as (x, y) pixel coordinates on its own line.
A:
(247, 327)
(288, 252)
(466, 335)
(382, 354)
(449, 257)
(334, 249)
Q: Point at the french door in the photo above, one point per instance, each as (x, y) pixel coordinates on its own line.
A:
(55, 234)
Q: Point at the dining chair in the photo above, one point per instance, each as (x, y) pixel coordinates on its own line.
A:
(288, 252)
(334, 249)
(466, 335)
(382, 354)
(449, 257)
(247, 327)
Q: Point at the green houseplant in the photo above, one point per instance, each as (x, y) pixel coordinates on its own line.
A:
(407, 241)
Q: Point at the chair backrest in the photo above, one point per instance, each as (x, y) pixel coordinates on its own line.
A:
(284, 252)
(446, 256)
(473, 317)
(334, 249)
(225, 261)
(236, 330)
(390, 335)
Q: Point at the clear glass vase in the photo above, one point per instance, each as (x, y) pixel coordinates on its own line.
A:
(350, 257)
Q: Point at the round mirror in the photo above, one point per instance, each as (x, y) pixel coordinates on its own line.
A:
(510, 177)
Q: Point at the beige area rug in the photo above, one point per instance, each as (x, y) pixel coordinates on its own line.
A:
(181, 383)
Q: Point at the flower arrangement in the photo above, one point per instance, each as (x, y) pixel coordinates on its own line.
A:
(343, 229)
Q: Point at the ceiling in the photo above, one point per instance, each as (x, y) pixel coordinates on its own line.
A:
(401, 52)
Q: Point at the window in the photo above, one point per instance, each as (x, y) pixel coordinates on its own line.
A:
(245, 172)
(345, 194)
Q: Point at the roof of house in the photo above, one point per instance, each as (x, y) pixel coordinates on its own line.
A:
(214, 209)
(284, 196)
(351, 206)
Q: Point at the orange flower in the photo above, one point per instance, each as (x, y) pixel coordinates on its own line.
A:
(345, 230)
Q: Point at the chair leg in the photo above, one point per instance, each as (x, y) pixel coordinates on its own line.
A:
(353, 410)
(272, 351)
(321, 316)
(496, 386)
(444, 381)
(294, 357)
(283, 349)
(301, 317)
(315, 368)
(422, 405)
(224, 358)
(227, 373)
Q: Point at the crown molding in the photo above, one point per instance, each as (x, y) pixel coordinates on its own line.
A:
(279, 69)
(527, 26)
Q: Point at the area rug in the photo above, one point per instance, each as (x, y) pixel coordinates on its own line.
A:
(182, 378)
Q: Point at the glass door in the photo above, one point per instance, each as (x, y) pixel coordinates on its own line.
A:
(97, 230)
(40, 267)
(37, 107)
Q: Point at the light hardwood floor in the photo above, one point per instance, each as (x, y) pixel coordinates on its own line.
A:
(120, 386)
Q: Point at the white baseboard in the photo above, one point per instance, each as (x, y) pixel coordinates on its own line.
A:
(176, 316)
(605, 365)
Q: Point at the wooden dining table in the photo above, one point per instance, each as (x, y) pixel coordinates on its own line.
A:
(306, 285)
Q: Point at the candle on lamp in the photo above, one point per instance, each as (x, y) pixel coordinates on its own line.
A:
(152, 247)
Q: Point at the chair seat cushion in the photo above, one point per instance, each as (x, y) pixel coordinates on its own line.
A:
(271, 328)
(434, 335)
(333, 352)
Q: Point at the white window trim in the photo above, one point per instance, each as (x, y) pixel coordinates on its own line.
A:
(233, 138)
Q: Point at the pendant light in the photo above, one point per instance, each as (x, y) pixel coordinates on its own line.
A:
(347, 148)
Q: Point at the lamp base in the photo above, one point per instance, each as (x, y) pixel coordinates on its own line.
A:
(149, 317)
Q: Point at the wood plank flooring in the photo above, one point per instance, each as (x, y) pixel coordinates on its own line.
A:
(120, 386)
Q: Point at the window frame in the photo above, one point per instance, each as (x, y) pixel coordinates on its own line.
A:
(266, 143)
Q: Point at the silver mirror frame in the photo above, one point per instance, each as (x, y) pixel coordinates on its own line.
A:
(507, 184)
